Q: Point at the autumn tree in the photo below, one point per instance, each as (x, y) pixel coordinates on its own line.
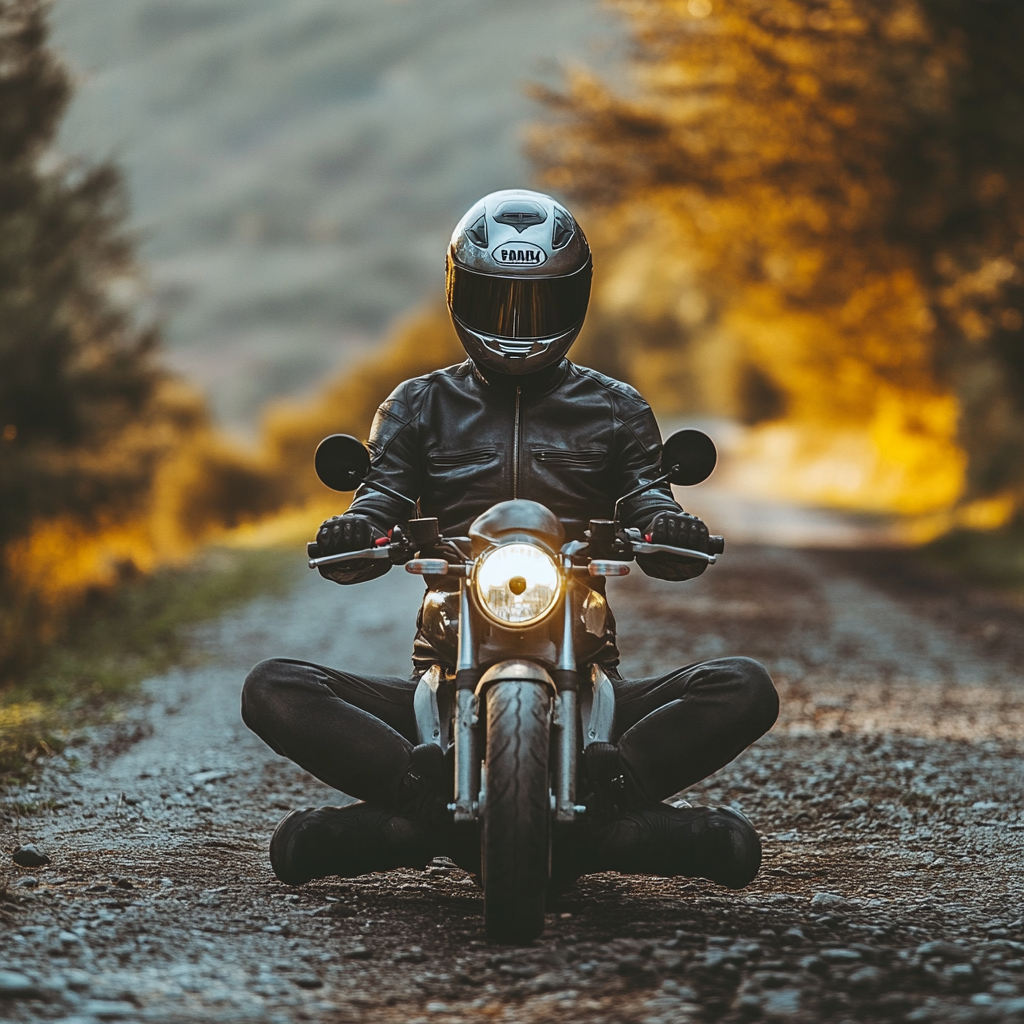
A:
(106, 460)
(835, 188)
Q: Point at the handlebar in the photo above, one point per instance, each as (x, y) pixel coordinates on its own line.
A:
(631, 547)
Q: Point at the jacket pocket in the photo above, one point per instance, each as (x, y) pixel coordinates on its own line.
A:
(450, 460)
(564, 457)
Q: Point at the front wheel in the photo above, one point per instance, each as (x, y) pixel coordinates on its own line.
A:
(516, 839)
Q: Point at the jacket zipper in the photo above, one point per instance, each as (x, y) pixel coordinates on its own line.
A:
(515, 447)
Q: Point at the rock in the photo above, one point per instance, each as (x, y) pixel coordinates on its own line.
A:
(412, 955)
(29, 856)
(828, 901)
(17, 986)
(958, 975)
(867, 979)
(28, 882)
(840, 956)
(944, 950)
(308, 981)
(780, 1003)
(359, 953)
(78, 981)
(108, 1009)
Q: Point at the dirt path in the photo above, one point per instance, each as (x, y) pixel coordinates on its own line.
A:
(888, 797)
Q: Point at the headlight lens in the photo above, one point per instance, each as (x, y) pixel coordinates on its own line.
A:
(517, 584)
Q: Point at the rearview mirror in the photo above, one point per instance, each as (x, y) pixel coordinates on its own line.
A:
(341, 462)
(688, 457)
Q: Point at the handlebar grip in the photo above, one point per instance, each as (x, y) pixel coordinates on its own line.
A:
(312, 549)
(716, 544)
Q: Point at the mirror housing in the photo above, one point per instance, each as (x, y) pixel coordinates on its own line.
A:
(688, 457)
(341, 462)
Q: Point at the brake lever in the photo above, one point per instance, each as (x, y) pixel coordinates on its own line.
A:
(644, 547)
(374, 554)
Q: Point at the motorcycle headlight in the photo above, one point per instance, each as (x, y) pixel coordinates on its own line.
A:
(517, 584)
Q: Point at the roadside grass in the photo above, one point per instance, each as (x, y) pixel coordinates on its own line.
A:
(994, 559)
(126, 636)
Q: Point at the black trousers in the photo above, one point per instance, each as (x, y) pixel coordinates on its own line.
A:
(355, 733)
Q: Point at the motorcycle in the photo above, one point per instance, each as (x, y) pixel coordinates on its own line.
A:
(520, 696)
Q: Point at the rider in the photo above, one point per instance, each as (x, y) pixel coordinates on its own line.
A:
(515, 420)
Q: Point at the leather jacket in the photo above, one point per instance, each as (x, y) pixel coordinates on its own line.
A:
(458, 442)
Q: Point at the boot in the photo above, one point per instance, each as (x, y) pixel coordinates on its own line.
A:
(717, 843)
(427, 787)
(347, 841)
(611, 784)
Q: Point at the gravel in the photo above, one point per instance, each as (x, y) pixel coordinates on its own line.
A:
(887, 797)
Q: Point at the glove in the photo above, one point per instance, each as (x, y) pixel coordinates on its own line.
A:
(679, 530)
(344, 533)
(349, 533)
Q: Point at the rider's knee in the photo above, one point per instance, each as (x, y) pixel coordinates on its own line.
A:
(761, 699)
(259, 693)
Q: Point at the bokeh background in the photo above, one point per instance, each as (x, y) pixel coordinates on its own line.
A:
(222, 227)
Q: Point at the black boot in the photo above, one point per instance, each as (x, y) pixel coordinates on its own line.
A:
(612, 788)
(698, 842)
(347, 841)
(427, 787)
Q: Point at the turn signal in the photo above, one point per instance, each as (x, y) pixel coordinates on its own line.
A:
(427, 567)
(603, 568)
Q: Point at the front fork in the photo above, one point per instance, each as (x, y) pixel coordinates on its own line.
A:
(468, 793)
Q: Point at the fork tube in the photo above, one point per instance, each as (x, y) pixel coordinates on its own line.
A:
(465, 714)
(567, 682)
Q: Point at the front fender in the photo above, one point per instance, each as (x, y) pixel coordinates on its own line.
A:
(514, 670)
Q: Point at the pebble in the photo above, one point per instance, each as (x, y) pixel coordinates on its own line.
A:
(828, 900)
(17, 986)
(780, 1003)
(29, 856)
(108, 1009)
(28, 882)
(867, 978)
(359, 953)
(308, 981)
(840, 956)
(943, 949)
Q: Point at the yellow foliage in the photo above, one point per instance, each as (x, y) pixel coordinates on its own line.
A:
(789, 185)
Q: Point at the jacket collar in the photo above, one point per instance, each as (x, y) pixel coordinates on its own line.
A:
(535, 384)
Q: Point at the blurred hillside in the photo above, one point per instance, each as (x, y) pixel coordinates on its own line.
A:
(296, 166)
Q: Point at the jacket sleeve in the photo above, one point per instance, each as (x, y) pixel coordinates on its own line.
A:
(395, 463)
(638, 461)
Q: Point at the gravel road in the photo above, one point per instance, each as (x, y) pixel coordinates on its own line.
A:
(888, 797)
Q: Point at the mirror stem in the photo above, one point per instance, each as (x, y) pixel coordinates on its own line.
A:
(656, 482)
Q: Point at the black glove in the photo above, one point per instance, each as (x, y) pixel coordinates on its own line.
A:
(344, 533)
(349, 533)
(678, 530)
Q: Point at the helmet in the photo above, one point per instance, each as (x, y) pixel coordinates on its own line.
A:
(518, 281)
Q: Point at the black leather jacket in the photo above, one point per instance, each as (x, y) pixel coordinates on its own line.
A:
(459, 442)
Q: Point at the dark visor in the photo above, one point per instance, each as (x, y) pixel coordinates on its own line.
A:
(518, 307)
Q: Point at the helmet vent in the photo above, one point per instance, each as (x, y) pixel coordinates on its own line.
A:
(477, 232)
(562, 230)
(514, 347)
(520, 214)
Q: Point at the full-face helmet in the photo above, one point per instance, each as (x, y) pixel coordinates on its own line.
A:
(518, 281)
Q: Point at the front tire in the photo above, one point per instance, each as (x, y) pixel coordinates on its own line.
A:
(516, 839)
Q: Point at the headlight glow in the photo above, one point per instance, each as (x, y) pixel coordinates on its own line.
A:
(517, 584)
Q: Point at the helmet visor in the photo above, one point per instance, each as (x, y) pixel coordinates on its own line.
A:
(518, 307)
